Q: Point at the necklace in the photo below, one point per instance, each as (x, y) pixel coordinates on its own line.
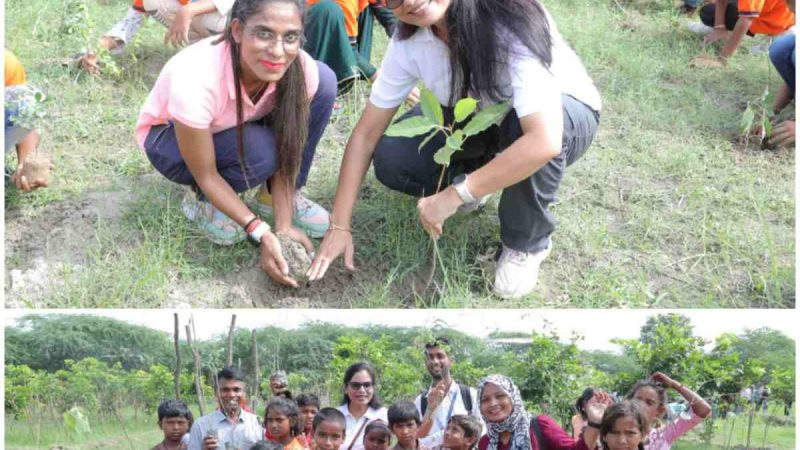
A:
(257, 96)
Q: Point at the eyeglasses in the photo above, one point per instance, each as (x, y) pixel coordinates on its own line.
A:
(356, 386)
(393, 4)
(291, 41)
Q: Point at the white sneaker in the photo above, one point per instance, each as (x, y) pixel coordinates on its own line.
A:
(517, 272)
(699, 28)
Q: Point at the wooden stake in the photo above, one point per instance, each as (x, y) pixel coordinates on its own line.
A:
(177, 359)
(197, 383)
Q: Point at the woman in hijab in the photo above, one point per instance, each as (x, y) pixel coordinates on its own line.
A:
(511, 427)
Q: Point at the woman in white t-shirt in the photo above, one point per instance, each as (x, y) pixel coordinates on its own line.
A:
(492, 50)
(360, 404)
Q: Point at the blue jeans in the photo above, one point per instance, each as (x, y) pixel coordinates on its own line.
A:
(260, 147)
(782, 55)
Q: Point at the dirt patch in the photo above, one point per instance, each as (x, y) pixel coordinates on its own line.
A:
(38, 241)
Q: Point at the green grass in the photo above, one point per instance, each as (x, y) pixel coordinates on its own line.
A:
(666, 209)
(732, 433)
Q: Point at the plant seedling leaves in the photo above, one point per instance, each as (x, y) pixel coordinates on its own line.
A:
(464, 108)
(442, 156)
(486, 118)
(747, 119)
(431, 107)
(455, 140)
(767, 126)
(413, 126)
(427, 139)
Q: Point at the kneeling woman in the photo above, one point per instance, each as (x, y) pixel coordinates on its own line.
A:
(493, 50)
(242, 111)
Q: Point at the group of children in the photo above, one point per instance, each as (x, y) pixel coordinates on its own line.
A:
(302, 424)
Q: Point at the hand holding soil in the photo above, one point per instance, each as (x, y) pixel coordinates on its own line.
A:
(89, 63)
(296, 255)
(32, 174)
(284, 257)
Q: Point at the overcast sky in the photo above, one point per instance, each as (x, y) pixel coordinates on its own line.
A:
(597, 327)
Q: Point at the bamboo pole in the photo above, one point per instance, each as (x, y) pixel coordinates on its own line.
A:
(256, 370)
(229, 360)
(197, 386)
(177, 358)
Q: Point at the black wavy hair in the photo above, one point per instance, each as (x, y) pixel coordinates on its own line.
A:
(477, 57)
(625, 408)
(375, 401)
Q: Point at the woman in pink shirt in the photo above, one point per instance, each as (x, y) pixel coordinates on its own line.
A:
(653, 394)
(238, 112)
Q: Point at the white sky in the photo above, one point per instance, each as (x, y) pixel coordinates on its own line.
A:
(597, 327)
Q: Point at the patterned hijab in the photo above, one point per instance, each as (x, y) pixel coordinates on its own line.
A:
(518, 422)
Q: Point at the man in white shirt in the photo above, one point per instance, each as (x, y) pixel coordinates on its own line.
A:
(229, 426)
(444, 398)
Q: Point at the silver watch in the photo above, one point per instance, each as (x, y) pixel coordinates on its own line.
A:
(460, 185)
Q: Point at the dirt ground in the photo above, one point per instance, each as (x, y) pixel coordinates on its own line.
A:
(35, 268)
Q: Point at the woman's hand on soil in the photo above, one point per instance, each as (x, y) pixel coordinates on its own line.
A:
(783, 134)
(178, 33)
(23, 184)
(333, 245)
(434, 210)
(597, 405)
(272, 260)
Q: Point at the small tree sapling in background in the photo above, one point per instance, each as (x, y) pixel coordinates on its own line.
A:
(77, 22)
(432, 122)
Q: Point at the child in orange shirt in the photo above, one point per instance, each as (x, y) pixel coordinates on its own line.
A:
(732, 20)
(17, 98)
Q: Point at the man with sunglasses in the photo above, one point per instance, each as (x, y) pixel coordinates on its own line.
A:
(444, 398)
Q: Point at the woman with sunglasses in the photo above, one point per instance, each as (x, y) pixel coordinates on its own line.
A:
(494, 51)
(243, 111)
(360, 404)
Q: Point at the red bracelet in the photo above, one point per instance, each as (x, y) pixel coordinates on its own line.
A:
(252, 225)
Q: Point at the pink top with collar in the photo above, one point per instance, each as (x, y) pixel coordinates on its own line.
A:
(662, 438)
(196, 88)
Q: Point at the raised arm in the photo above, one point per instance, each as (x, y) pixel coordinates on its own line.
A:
(699, 406)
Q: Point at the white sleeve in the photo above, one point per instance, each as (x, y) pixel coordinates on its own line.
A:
(476, 409)
(223, 6)
(394, 81)
(534, 88)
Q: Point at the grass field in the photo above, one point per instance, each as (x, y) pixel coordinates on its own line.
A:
(668, 208)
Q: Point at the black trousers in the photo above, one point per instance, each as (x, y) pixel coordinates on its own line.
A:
(525, 221)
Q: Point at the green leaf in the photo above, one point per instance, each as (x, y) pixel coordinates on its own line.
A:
(767, 127)
(455, 140)
(464, 108)
(442, 156)
(431, 107)
(747, 119)
(413, 126)
(428, 138)
(486, 117)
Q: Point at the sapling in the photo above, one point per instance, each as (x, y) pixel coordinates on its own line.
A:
(30, 106)
(76, 21)
(466, 123)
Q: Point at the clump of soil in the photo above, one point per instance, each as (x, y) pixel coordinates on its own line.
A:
(296, 257)
(36, 168)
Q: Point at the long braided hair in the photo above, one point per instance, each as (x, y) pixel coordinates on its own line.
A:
(289, 118)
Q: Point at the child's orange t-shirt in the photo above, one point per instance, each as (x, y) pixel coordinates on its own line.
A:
(15, 73)
(769, 16)
(351, 10)
(298, 443)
